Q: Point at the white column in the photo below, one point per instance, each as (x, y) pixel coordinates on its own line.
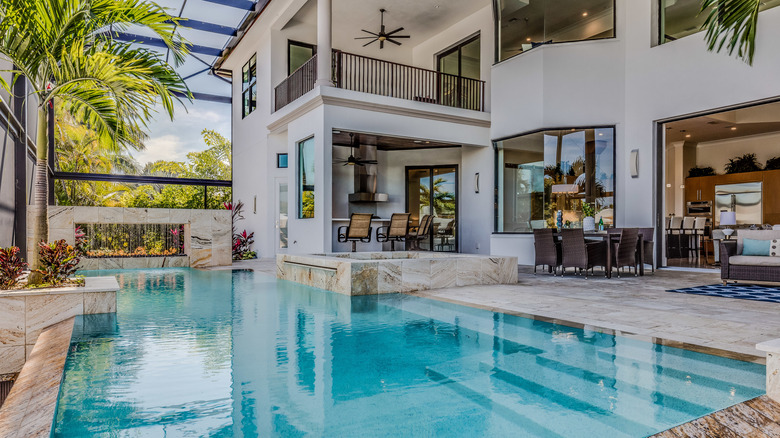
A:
(324, 43)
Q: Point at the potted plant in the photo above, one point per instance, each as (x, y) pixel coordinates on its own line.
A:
(589, 219)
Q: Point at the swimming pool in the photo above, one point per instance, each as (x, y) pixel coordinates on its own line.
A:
(221, 354)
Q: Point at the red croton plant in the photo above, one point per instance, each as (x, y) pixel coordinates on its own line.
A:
(11, 267)
(58, 261)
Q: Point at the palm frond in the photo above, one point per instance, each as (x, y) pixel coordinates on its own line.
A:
(732, 24)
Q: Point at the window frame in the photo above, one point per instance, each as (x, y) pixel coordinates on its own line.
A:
(497, 174)
(291, 43)
(247, 86)
(497, 35)
(458, 47)
(279, 162)
(299, 178)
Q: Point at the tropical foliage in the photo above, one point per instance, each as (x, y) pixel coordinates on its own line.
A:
(74, 143)
(745, 163)
(732, 24)
(242, 242)
(58, 261)
(700, 171)
(66, 51)
(11, 267)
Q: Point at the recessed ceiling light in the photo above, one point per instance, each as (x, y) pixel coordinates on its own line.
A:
(417, 141)
(528, 39)
(601, 134)
(733, 128)
(688, 136)
(585, 14)
(336, 132)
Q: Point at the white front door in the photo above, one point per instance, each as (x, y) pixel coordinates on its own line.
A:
(280, 220)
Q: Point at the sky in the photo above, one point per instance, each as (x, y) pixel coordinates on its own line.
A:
(172, 140)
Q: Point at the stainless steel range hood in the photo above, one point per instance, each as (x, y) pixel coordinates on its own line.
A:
(366, 178)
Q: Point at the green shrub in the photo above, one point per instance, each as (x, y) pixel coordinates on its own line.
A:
(11, 267)
(772, 164)
(700, 171)
(58, 261)
(745, 163)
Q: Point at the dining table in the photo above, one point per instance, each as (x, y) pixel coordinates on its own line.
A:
(611, 239)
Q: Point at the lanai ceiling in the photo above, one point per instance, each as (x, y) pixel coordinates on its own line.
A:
(421, 19)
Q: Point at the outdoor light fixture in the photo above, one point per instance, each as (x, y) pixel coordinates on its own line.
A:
(476, 182)
(634, 163)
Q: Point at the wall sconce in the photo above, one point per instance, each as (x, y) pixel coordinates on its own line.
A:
(634, 163)
(476, 182)
(255, 207)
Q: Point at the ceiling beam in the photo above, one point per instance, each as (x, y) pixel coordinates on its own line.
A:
(206, 97)
(207, 27)
(246, 5)
(157, 42)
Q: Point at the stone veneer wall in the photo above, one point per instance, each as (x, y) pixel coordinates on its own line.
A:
(25, 313)
(207, 234)
(391, 272)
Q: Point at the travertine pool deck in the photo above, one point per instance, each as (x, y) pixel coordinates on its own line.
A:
(29, 410)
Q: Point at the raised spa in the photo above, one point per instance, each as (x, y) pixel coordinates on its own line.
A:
(366, 273)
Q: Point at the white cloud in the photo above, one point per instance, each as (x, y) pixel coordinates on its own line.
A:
(172, 140)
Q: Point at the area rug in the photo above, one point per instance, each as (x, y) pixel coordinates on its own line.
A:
(740, 291)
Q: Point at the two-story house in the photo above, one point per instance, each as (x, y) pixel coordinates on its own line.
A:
(495, 117)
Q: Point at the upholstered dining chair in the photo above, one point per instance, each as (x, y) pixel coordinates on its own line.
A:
(578, 254)
(624, 254)
(547, 252)
(358, 230)
(397, 231)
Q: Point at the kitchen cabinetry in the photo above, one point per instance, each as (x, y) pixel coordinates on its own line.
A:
(702, 188)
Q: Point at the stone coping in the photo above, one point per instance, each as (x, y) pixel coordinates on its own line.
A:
(91, 284)
(772, 346)
(30, 407)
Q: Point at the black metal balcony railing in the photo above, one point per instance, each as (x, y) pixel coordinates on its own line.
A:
(385, 78)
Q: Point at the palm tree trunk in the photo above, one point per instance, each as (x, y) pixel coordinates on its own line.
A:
(40, 221)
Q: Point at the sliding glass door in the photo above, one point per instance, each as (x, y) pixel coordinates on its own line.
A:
(433, 190)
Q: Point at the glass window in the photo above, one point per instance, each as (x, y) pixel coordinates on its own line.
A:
(680, 18)
(541, 173)
(281, 161)
(298, 54)
(524, 24)
(249, 86)
(306, 179)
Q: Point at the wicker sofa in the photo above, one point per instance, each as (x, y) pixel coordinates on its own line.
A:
(735, 266)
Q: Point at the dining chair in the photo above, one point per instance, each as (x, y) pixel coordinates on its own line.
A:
(578, 254)
(624, 253)
(397, 231)
(648, 236)
(358, 230)
(421, 232)
(547, 252)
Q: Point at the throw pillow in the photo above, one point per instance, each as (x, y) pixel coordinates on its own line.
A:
(774, 248)
(753, 247)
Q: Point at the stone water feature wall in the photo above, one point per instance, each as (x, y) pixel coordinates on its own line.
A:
(207, 234)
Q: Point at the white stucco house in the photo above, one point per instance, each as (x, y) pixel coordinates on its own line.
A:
(511, 109)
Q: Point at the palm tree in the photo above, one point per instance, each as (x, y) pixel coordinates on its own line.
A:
(732, 23)
(66, 50)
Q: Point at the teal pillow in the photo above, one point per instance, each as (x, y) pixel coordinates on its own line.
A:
(753, 247)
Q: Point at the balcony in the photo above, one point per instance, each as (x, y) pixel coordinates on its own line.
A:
(384, 78)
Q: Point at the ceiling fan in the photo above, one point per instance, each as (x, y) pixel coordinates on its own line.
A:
(352, 160)
(383, 36)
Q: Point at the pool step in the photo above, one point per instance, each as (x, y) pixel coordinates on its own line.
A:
(526, 406)
(743, 373)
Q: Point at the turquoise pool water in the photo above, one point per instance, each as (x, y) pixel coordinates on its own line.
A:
(223, 354)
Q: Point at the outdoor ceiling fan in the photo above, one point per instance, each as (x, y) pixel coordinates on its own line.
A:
(352, 160)
(383, 36)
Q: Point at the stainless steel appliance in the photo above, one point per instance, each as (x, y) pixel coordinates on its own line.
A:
(699, 208)
(743, 199)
